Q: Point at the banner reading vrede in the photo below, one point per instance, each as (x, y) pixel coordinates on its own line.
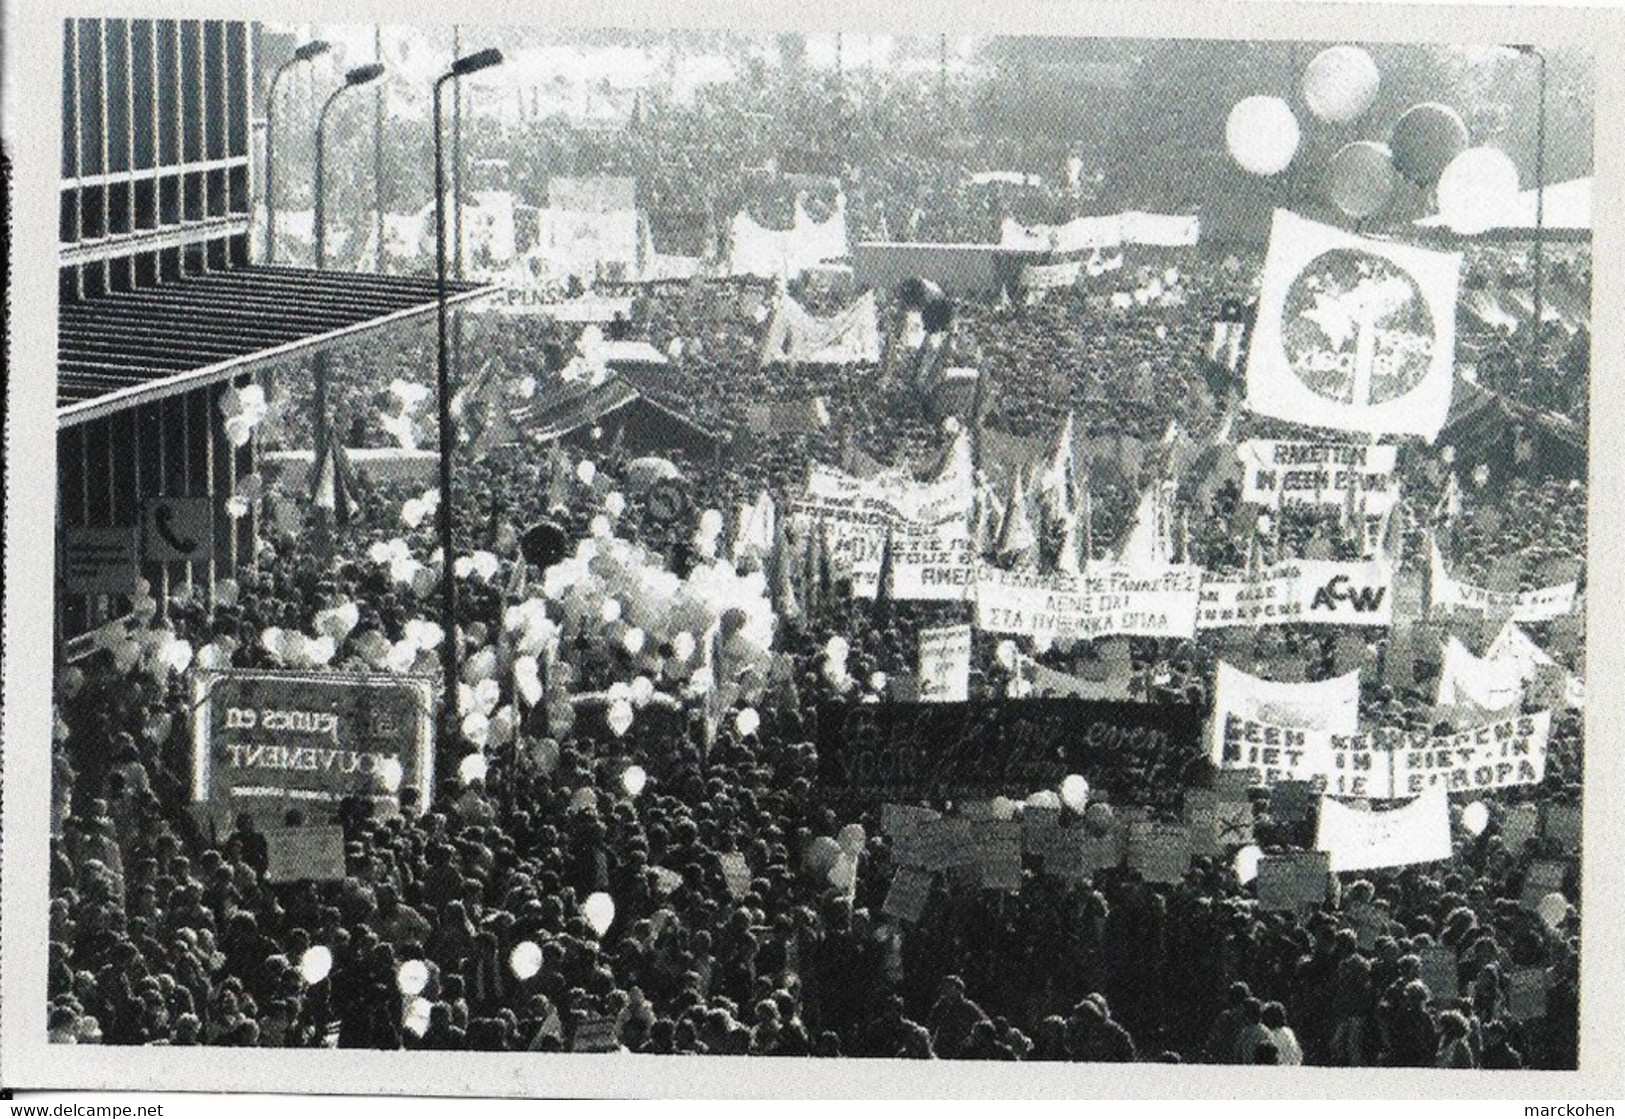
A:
(265, 742)
(983, 748)
(1335, 592)
(1104, 601)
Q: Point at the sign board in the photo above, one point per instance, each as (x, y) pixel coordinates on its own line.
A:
(1279, 472)
(987, 748)
(1526, 993)
(1542, 878)
(1293, 881)
(945, 664)
(1368, 922)
(1563, 824)
(997, 847)
(907, 897)
(1106, 600)
(595, 1035)
(315, 851)
(1160, 852)
(1292, 801)
(1518, 826)
(177, 529)
(99, 560)
(1333, 592)
(267, 741)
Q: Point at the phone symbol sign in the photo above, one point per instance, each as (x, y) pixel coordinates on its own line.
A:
(177, 529)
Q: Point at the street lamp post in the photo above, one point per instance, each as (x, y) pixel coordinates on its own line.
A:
(1540, 204)
(468, 64)
(359, 76)
(302, 54)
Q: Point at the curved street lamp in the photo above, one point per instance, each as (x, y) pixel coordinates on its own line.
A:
(359, 76)
(303, 53)
(468, 64)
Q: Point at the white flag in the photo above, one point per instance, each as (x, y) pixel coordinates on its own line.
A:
(1352, 333)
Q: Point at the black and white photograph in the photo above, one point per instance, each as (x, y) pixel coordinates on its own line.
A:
(592, 543)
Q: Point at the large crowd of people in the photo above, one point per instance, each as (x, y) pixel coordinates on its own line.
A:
(165, 929)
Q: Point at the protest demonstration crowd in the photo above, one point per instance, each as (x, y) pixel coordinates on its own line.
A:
(1150, 700)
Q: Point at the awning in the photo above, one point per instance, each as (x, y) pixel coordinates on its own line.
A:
(127, 348)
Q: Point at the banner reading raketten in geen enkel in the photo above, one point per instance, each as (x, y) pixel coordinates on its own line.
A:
(1353, 334)
(1278, 472)
(267, 742)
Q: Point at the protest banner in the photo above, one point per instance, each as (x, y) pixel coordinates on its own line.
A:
(1526, 993)
(313, 851)
(907, 897)
(1351, 593)
(1217, 823)
(1484, 684)
(1033, 679)
(1541, 605)
(267, 741)
(796, 336)
(1562, 824)
(1395, 765)
(1355, 840)
(929, 561)
(1440, 972)
(1292, 881)
(1232, 784)
(1271, 754)
(990, 748)
(1105, 600)
(1326, 705)
(944, 843)
(735, 873)
(997, 851)
(1353, 333)
(945, 664)
(1277, 472)
(1038, 827)
(1161, 852)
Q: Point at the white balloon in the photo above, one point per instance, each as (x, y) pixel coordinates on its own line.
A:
(610, 610)
(682, 645)
(586, 471)
(472, 768)
(748, 721)
(633, 779)
(1475, 817)
(1005, 654)
(1262, 134)
(391, 773)
(633, 640)
(642, 691)
(1246, 863)
(710, 522)
(614, 503)
(599, 909)
(620, 717)
(1340, 83)
(416, 1016)
(1478, 191)
(526, 959)
(315, 964)
(1075, 792)
(412, 977)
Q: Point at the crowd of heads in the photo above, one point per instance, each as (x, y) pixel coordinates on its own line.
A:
(166, 930)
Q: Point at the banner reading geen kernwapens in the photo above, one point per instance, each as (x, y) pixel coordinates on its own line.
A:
(1104, 601)
(1389, 765)
(1278, 472)
(1334, 592)
(264, 742)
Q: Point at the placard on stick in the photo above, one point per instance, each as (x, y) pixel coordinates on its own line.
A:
(1543, 877)
(1526, 993)
(1439, 971)
(907, 897)
(315, 851)
(1293, 881)
(1562, 824)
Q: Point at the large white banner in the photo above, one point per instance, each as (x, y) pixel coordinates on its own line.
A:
(1105, 231)
(1106, 600)
(1386, 765)
(1485, 683)
(1352, 333)
(1359, 839)
(945, 664)
(1541, 605)
(1280, 472)
(848, 337)
(1332, 706)
(1336, 592)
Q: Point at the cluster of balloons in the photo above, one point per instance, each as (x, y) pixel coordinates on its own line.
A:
(244, 409)
(1428, 146)
(834, 859)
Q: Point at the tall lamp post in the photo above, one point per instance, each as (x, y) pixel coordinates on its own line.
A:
(304, 53)
(359, 76)
(468, 64)
(1540, 202)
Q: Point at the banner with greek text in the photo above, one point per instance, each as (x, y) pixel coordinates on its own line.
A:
(1279, 472)
(1350, 593)
(944, 675)
(1353, 333)
(1419, 832)
(1106, 600)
